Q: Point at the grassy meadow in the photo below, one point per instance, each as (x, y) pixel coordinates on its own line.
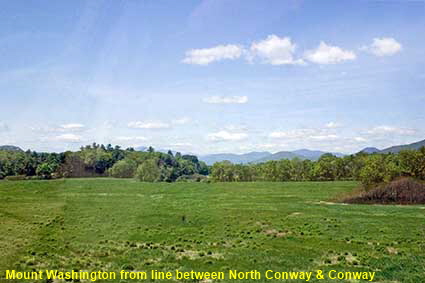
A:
(113, 224)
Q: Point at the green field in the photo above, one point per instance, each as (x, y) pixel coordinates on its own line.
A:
(113, 224)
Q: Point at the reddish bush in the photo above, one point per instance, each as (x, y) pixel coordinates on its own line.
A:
(401, 191)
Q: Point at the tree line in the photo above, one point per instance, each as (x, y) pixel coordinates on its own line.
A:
(98, 160)
(370, 169)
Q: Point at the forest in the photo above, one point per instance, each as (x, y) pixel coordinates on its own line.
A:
(98, 160)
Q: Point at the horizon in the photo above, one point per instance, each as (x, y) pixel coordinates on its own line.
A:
(328, 76)
(158, 149)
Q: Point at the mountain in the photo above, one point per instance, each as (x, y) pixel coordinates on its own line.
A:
(10, 148)
(263, 156)
(397, 148)
(314, 154)
(280, 155)
(234, 158)
(141, 148)
(370, 150)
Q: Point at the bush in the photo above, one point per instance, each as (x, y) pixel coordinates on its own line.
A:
(45, 170)
(15, 178)
(148, 171)
(191, 178)
(401, 191)
(125, 168)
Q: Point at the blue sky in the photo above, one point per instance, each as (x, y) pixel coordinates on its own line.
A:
(212, 76)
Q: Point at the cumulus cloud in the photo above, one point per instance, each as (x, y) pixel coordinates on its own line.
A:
(292, 134)
(304, 134)
(227, 136)
(385, 46)
(206, 56)
(360, 139)
(226, 99)
(390, 130)
(328, 54)
(333, 125)
(3, 127)
(72, 127)
(131, 139)
(68, 138)
(181, 121)
(275, 50)
(181, 144)
(148, 125)
(328, 137)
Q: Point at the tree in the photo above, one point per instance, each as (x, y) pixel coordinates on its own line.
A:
(45, 170)
(125, 168)
(148, 171)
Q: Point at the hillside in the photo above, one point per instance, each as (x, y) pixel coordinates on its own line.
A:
(397, 148)
(264, 156)
(314, 154)
(280, 155)
(234, 158)
(369, 150)
(10, 148)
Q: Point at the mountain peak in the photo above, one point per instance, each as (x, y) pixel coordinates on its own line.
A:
(10, 148)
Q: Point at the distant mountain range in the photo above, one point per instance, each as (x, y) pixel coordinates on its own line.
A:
(264, 156)
(370, 150)
(234, 158)
(395, 149)
(10, 148)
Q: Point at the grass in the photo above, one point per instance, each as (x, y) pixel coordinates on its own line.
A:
(112, 224)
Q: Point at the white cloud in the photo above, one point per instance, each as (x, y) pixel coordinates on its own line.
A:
(68, 138)
(208, 55)
(324, 137)
(390, 130)
(148, 125)
(304, 134)
(72, 127)
(333, 125)
(292, 134)
(227, 136)
(131, 139)
(360, 139)
(3, 127)
(226, 99)
(236, 128)
(181, 144)
(275, 50)
(327, 54)
(181, 121)
(385, 46)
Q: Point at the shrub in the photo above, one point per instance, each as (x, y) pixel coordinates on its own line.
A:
(148, 171)
(125, 168)
(15, 178)
(401, 191)
(45, 170)
(191, 178)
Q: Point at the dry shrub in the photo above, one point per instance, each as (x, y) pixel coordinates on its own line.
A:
(401, 191)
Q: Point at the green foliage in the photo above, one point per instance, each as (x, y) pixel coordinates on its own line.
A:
(45, 170)
(125, 168)
(370, 169)
(149, 171)
(98, 161)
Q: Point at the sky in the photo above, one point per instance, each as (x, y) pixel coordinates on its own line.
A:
(212, 76)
